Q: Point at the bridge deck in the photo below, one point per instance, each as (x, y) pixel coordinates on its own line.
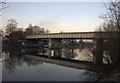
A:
(82, 35)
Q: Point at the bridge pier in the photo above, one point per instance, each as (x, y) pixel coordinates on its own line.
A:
(118, 50)
(49, 53)
(49, 43)
(57, 43)
(60, 43)
(57, 53)
(98, 51)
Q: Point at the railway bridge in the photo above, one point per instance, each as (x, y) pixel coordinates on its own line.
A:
(98, 38)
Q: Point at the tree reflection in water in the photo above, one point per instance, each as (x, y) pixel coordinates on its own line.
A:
(16, 58)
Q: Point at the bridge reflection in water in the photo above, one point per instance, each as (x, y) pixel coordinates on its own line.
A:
(69, 57)
(82, 54)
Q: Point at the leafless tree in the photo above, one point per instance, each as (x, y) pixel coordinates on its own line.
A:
(35, 30)
(29, 29)
(11, 26)
(112, 16)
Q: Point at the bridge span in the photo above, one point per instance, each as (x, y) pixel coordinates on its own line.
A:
(75, 35)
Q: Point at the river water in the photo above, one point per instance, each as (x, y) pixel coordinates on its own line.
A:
(31, 64)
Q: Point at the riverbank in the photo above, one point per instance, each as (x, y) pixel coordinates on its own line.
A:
(114, 76)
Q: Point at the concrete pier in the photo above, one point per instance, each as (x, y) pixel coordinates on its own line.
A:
(98, 51)
(57, 43)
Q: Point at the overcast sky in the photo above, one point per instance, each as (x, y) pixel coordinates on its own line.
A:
(56, 16)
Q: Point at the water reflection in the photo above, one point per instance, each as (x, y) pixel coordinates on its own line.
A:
(71, 53)
(76, 54)
(31, 64)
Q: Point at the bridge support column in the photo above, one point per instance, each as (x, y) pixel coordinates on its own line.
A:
(49, 53)
(60, 43)
(118, 50)
(50, 43)
(57, 43)
(57, 53)
(98, 51)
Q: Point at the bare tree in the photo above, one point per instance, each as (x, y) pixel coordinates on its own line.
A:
(35, 30)
(112, 17)
(11, 26)
(47, 31)
(29, 29)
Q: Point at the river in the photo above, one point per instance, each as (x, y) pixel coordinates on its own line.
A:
(31, 65)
